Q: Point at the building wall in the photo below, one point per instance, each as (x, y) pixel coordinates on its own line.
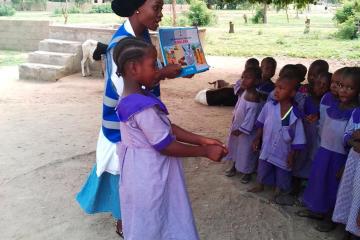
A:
(22, 35)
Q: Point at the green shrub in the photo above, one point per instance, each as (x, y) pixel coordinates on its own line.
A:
(6, 10)
(57, 11)
(347, 29)
(349, 9)
(74, 10)
(199, 14)
(258, 17)
(103, 8)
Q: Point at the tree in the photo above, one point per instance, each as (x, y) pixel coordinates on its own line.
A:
(173, 5)
(266, 3)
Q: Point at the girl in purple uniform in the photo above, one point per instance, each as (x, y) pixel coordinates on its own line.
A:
(154, 200)
(242, 130)
(347, 207)
(282, 134)
(311, 125)
(320, 193)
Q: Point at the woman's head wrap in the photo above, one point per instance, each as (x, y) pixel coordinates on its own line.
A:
(126, 8)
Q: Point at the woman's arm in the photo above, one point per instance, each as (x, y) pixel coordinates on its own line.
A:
(170, 71)
(188, 137)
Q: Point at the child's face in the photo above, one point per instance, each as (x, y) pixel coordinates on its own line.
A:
(313, 74)
(247, 80)
(320, 86)
(335, 81)
(149, 70)
(284, 90)
(348, 90)
(267, 70)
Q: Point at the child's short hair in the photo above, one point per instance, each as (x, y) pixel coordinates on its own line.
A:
(354, 74)
(252, 62)
(129, 49)
(291, 70)
(269, 60)
(256, 73)
(302, 70)
(291, 76)
(321, 64)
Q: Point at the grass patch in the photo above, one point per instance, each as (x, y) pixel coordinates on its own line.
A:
(11, 58)
(277, 38)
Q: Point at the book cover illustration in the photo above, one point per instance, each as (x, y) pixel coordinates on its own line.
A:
(182, 46)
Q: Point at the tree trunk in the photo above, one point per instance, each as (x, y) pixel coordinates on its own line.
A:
(174, 12)
(287, 14)
(65, 12)
(265, 13)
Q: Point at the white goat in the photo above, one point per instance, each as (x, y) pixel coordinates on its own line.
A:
(92, 51)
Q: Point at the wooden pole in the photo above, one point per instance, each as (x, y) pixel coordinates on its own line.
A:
(174, 12)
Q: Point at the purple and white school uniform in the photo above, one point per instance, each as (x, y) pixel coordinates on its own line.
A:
(326, 101)
(304, 159)
(348, 197)
(280, 136)
(320, 193)
(240, 147)
(154, 200)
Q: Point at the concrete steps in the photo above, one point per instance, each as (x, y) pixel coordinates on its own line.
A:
(54, 60)
(41, 72)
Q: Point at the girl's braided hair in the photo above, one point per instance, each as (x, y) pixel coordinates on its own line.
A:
(127, 50)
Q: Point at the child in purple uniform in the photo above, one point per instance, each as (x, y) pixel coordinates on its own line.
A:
(268, 69)
(282, 134)
(320, 193)
(347, 206)
(242, 131)
(321, 85)
(154, 200)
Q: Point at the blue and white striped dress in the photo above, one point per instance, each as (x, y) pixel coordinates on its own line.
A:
(101, 191)
(348, 197)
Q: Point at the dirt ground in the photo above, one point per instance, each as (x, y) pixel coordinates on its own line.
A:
(48, 139)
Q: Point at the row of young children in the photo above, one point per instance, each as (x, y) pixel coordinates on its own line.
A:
(295, 134)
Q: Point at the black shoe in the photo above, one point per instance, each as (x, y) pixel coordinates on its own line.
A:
(246, 178)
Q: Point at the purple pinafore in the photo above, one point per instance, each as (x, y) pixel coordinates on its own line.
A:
(304, 159)
(154, 200)
(348, 197)
(240, 150)
(320, 193)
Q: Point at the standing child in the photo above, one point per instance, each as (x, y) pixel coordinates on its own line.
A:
(329, 161)
(304, 160)
(268, 69)
(281, 130)
(242, 131)
(250, 63)
(332, 96)
(316, 67)
(347, 208)
(154, 200)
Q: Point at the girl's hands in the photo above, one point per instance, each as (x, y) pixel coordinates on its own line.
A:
(290, 159)
(340, 173)
(256, 144)
(215, 152)
(211, 141)
(358, 219)
(312, 118)
(236, 132)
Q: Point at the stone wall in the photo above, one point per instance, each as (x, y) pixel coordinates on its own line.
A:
(22, 35)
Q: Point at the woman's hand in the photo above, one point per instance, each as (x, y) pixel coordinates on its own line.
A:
(340, 173)
(290, 159)
(170, 71)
